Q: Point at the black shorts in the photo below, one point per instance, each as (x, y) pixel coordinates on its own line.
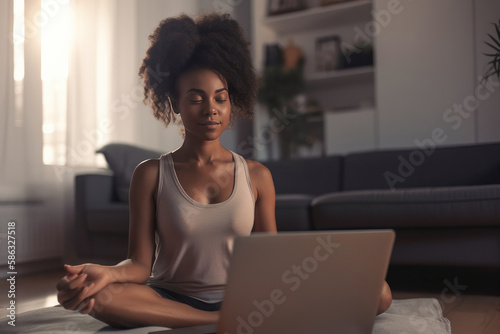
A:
(193, 302)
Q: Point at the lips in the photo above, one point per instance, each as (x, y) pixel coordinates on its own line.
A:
(211, 123)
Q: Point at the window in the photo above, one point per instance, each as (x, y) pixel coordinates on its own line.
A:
(55, 38)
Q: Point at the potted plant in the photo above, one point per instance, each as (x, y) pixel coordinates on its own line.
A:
(282, 81)
(494, 68)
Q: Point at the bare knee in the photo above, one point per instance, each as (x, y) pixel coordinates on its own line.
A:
(108, 296)
(385, 299)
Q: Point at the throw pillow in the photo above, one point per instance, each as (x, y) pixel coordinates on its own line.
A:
(122, 160)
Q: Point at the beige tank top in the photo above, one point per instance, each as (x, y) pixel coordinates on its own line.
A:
(194, 241)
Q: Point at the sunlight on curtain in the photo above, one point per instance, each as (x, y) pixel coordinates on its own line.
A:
(102, 79)
(18, 46)
(55, 39)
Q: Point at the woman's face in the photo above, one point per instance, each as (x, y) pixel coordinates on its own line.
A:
(203, 103)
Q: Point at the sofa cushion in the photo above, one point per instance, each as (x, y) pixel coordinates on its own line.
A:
(473, 206)
(293, 212)
(122, 160)
(423, 167)
(458, 246)
(313, 176)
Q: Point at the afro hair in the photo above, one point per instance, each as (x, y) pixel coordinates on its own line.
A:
(214, 41)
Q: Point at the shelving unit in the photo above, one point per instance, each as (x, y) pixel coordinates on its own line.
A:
(318, 17)
(332, 90)
(332, 78)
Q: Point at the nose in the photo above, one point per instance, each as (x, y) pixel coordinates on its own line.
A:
(210, 111)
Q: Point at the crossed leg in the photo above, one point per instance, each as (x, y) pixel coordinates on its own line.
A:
(128, 305)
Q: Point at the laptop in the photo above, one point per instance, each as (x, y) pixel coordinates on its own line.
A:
(296, 282)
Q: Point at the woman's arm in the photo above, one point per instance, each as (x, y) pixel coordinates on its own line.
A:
(142, 205)
(265, 197)
(87, 279)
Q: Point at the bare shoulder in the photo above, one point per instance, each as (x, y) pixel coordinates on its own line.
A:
(146, 174)
(261, 178)
(265, 197)
(147, 168)
(258, 171)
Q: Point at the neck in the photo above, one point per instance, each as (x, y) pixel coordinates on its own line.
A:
(201, 151)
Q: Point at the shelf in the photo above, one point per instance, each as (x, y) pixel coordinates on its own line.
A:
(319, 17)
(326, 79)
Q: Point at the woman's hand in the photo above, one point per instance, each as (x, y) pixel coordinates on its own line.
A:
(80, 283)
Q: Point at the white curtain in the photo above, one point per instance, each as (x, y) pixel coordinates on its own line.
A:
(104, 90)
(28, 189)
(6, 90)
(20, 138)
(102, 71)
(102, 76)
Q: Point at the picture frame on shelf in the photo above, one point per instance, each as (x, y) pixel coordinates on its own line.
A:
(357, 56)
(277, 7)
(328, 54)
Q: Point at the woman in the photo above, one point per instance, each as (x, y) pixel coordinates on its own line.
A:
(189, 203)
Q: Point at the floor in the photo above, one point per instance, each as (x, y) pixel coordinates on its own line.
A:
(468, 313)
(32, 291)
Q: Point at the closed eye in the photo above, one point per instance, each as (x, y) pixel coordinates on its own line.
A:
(200, 101)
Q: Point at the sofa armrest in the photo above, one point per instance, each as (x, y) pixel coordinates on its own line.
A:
(93, 190)
(293, 212)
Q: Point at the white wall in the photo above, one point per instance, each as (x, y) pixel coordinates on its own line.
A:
(125, 87)
(425, 65)
(349, 131)
(150, 132)
(429, 66)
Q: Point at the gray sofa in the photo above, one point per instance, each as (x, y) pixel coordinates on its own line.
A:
(444, 203)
